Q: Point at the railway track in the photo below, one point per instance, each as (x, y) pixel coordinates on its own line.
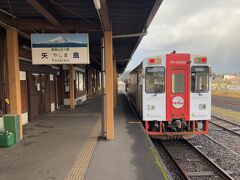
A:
(226, 125)
(230, 140)
(191, 162)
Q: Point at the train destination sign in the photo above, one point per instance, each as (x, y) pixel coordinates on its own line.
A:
(60, 48)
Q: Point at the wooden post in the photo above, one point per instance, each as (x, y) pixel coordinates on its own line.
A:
(109, 113)
(117, 83)
(71, 83)
(13, 75)
(114, 82)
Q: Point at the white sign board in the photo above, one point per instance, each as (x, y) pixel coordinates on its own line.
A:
(60, 48)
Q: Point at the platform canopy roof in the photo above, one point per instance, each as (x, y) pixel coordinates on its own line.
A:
(127, 19)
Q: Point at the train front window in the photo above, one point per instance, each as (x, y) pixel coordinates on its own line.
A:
(177, 83)
(199, 79)
(155, 80)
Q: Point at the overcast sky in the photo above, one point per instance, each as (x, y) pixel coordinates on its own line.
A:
(206, 27)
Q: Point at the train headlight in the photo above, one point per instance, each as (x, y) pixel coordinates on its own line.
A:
(154, 61)
(202, 106)
(199, 125)
(200, 60)
(151, 107)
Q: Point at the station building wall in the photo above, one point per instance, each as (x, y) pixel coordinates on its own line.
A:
(44, 88)
(80, 94)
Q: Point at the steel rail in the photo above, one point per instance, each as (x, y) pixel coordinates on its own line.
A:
(221, 119)
(221, 144)
(180, 169)
(218, 170)
(223, 174)
(225, 128)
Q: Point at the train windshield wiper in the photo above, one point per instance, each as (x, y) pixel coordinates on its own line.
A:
(156, 92)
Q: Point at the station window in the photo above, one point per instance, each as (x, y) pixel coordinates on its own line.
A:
(199, 79)
(79, 81)
(155, 79)
(177, 83)
(36, 80)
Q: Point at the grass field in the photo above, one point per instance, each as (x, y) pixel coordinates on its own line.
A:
(226, 114)
(227, 93)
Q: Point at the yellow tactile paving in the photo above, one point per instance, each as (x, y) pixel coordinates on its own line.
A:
(80, 167)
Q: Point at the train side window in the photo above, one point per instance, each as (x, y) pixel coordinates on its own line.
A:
(177, 83)
(155, 79)
(199, 79)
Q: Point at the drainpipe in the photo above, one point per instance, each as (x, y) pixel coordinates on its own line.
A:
(103, 88)
(97, 5)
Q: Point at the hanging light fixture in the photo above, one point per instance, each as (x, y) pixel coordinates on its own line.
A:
(97, 4)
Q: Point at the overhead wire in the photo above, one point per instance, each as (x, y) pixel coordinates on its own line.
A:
(9, 14)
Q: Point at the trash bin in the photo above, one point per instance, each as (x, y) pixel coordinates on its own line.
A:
(12, 124)
(6, 139)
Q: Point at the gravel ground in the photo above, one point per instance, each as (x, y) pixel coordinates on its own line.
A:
(220, 155)
(229, 139)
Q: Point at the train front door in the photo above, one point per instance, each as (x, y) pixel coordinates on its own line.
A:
(177, 89)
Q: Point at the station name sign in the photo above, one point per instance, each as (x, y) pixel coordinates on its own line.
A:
(60, 48)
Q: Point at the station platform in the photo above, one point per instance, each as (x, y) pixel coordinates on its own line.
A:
(66, 145)
(129, 156)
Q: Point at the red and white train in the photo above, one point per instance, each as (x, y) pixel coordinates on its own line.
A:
(172, 94)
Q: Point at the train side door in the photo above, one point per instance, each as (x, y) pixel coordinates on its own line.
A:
(139, 96)
(177, 89)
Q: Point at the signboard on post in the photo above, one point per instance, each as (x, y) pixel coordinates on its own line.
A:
(60, 48)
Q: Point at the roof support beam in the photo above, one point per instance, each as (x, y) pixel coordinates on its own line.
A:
(67, 25)
(104, 18)
(129, 35)
(147, 24)
(42, 10)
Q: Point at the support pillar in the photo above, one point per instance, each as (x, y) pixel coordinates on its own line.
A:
(71, 83)
(109, 112)
(114, 82)
(13, 75)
